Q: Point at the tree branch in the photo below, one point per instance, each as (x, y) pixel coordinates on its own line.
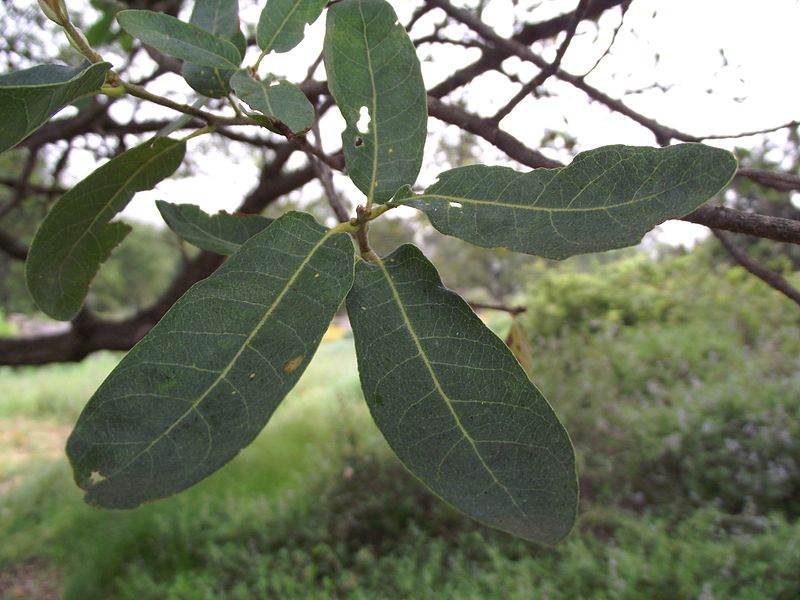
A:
(771, 278)
(490, 132)
(737, 221)
(492, 58)
(785, 182)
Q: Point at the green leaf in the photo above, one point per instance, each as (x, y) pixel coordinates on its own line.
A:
(204, 382)
(282, 23)
(607, 198)
(181, 40)
(76, 237)
(280, 102)
(454, 403)
(221, 18)
(221, 233)
(29, 98)
(373, 69)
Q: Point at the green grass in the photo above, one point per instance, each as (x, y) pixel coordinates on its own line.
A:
(686, 422)
(55, 392)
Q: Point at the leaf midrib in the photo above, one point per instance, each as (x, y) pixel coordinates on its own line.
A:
(53, 84)
(268, 45)
(207, 234)
(373, 124)
(535, 208)
(429, 367)
(201, 50)
(224, 373)
(120, 191)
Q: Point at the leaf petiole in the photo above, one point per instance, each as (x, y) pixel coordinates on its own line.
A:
(199, 132)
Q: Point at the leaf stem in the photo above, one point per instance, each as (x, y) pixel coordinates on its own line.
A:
(233, 106)
(210, 118)
(203, 131)
(78, 41)
(258, 60)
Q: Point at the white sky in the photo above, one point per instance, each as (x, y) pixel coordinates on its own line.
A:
(758, 89)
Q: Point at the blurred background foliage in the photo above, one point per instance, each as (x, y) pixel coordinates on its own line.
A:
(677, 377)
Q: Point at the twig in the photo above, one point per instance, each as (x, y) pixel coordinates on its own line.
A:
(546, 72)
(625, 6)
(210, 118)
(514, 148)
(771, 278)
(325, 177)
(23, 181)
(492, 57)
(512, 310)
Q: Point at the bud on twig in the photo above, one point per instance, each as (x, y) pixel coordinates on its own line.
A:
(55, 10)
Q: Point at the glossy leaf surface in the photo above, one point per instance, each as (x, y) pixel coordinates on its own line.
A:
(29, 98)
(76, 237)
(280, 102)
(221, 18)
(222, 233)
(607, 198)
(282, 23)
(204, 382)
(454, 403)
(375, 78)
(181, 40)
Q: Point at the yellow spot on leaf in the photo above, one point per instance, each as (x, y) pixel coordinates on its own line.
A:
(291, 365)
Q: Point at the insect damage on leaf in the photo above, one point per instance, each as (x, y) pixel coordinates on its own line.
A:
(290, 366)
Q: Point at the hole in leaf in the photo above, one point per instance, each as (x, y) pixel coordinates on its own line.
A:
(456, 205)
(363, 120)
(359, 141)
(95, 477)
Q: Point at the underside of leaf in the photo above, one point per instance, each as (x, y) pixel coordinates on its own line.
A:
(454, 403)
(204, 382)
(607, 198)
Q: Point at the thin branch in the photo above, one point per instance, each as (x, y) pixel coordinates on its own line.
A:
(771, 278)
(625, 6)
(737, 221)
(23, 181)
(325, 177)
(210, 118)
(420, 12)
(723, 136)
(514, 148)
(785, 182)
(512, 310)
(492, 58)
(545, 73)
